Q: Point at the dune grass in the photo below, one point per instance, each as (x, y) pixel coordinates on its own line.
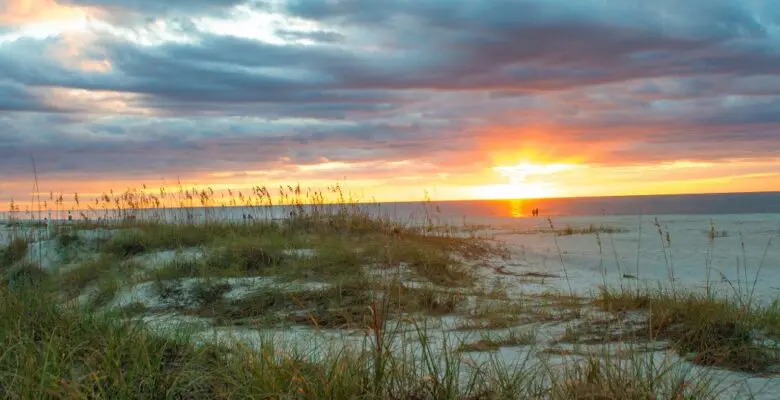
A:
(56, 352)
(588, 230)
(710, 330)
(14, 251)
(727, 329)
(365, 273)
(495, 342)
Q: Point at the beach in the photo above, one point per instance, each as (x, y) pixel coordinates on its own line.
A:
(525, 289)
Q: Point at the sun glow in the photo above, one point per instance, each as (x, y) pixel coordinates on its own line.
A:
(526, 181)
(525, 170)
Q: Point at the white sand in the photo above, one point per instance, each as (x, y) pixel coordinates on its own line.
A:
(588, 266)
(645, 255)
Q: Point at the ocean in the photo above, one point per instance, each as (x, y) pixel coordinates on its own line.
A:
(691, 204)
(483, 210)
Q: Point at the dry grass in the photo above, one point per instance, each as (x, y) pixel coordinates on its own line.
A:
(711, 330)
(494, 342)
(495, 314)
(13, 252)
(96, 271)
(589, 230)
(604, 378)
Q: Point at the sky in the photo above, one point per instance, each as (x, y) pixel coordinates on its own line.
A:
(461, 99)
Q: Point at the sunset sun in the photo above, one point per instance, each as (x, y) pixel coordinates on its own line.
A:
(526, 180)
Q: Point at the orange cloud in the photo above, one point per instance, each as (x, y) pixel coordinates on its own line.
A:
(17, 12)
(41, 18)
(95, 101)
(408, 183)
(70, 51)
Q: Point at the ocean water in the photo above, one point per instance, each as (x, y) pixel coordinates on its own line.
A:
(697, 204)
(496, 210)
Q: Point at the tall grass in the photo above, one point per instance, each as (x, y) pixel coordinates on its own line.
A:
(187, 205)
(711, 327)
(50, 350)
(56, 352)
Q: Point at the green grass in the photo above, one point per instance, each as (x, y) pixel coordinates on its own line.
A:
(710, 330)
(132, 310)
(104, 293)
(13, 252)
(425, 300)
(335, 259)
(589, 230)
(340, 249)
(245, 257)
(155, 236)
(334, 307)
(169, 290)
(68, 239)
(431, 257)
(338, 306)
(51, 353)
(328, 254)
(70, 245)
(54, 352)
(179, 267)
(206, 293)
(23, 274)
(359, 263)
(608, 378)
(76, 279)
(502, 315)
(494, 342)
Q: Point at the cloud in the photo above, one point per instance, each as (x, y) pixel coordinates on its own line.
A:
(15, 97)
(187, 87)
(465, 47)
(16, 12)
(124, 10)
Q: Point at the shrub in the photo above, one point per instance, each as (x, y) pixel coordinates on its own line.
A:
(14, 252)
(24, 274)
